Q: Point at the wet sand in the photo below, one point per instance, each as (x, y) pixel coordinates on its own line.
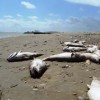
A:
(58, 82)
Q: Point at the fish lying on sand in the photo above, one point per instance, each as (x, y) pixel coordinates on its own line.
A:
(74, 49)
(74, 44)
(92, 48)
(21, 56)
(73, 57)
(37, 68)
(67, 56)
(94, 89)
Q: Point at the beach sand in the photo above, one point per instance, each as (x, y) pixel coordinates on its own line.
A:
(58, 82)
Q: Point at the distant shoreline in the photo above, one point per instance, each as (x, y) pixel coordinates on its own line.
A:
(16, 34)
(10, 34)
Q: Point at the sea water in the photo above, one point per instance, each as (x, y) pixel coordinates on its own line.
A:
(10, 34)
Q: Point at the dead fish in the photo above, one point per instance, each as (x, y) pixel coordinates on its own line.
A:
(37, 68)
(68, 56)
(75, 49)
(20, 56)
(92, 48)
(97, 52)
(90, 56)
(73, 57)
(94, 89)
(74, 44)
(95, 58)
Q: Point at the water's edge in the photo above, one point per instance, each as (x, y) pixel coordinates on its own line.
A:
(10, 34)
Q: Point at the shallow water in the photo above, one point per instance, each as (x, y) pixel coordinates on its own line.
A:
(10, 34)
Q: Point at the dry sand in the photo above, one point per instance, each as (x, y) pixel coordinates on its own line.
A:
(58, 82)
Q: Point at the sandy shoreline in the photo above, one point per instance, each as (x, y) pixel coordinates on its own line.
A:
(57, 83)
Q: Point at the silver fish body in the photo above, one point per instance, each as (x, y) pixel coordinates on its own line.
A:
(94, 89)
(20, 56)
(37, 68)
